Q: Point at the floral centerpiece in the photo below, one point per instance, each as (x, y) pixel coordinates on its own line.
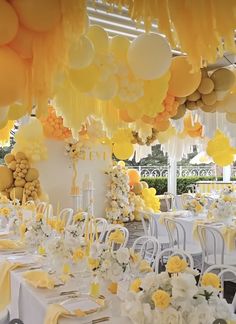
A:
(120, 207)
(173, 297)
(228, 194)
(222, 210)
(196, 204)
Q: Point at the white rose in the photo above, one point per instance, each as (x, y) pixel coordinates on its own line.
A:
(202, 314)
(172, 316)
(115, 272)
(123, 255)
(184, 285)
(149, 281)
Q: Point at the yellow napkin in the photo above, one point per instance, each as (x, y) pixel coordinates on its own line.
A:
(5, 283)
(229, 234)
(162, 219)
(39, 279)
(117, 237)
(9, 245)
(55, 311)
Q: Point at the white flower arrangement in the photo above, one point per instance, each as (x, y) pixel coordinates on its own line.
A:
(174, 298)
(113, 265)
(121, 207)
(196, 204)
(36, 232)
(222, 210)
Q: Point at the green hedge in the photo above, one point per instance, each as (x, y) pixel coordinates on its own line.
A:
(160, 184)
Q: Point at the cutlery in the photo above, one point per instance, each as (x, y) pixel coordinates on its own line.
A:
(98, 320)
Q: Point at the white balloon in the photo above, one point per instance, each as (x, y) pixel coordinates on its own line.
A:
(220, 95)
(230, 103)
(81, 54)
(149, 56)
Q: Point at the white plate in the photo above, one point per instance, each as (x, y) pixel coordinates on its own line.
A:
(84, 303)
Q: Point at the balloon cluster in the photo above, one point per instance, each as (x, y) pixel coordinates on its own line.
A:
(53, 126)
(18, 179)
(191, 128)
(212, 89)
(220, 150)
(140, 188)
(30, 140)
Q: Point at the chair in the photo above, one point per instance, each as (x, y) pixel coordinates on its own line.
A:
(171, 252)
(101, 227)
(113, 228)
(41, 207)
(213, 247)
(148, 247)
(177, 237)
(222, 270)
(66, 214)
(170, 201)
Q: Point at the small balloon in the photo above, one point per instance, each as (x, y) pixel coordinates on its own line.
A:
(23, 42)
(123, 151)
(85, 79)
(99, 38)
(8, 23)
(81, 53)
(106, 90)
(119, 46)
(223, 79)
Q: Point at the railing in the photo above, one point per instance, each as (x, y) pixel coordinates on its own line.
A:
(182, 171)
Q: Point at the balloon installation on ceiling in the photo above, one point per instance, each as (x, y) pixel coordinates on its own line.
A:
(69, 72)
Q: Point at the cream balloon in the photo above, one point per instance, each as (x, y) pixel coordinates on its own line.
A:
(81, 54)
(8, 22)
(223, 79)
(3, 114)
(230, 103)
(99, 38)
(119, 46)
(149, 56)
(220, 95)
(106, 90)
(231, 117)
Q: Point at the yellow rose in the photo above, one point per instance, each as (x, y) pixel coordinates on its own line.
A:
(78, 217)
(93, 263)
(161, 299)
(210, 279)
(66, 268)
(78, 255)
(145, 266)
(113, 288)
(135, 257)
(176, 264)
(135, 285)
(117, 237)
(39, 217)
(41, 250)
(5, 211)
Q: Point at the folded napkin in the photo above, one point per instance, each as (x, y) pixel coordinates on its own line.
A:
(5, 284)
(53, 313)
(10, 245)
(169, 215)
(195, 228)
(39, 279)
(229, 234)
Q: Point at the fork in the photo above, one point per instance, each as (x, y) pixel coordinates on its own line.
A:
(98, 320)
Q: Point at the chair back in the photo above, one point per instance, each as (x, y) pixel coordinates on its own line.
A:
(222, 270)
(166, 253)
(176, 233)
(148, 247)
(99, 228)
(149, 225)
(212, 244)
(41, 207)
(112, 228)
(66, 214)
(170, 201)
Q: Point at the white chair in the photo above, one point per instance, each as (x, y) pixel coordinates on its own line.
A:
(66, 214)
(177, 237)
(213, 247)
(166, 253)
(41, 207)
(148, 247)
(223, 270)
(100, 229)
(170, 201)
(113, 228)
(147, 224)
(4, 317)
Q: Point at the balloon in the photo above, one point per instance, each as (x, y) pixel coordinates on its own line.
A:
(39, 16)
(85, 79)
(4, 114)
(124, 116)
(81, 54)
(223, 158)
(191, 105)
(23, 43)
(152, 191)
(16, 111)
(12, 77)
(208, 108)
(206, 86)
(137, 188)
(6, 178)
(16, 193)
(209, 99)
(8, 22)
(99, 38)
(121, 163)
(223, 79)
(163, 125)
(183, 81)
(144, 184)
(194, 96)
(123, 151)
(119, 46)
(134, 176)
(228, 105)
(106, 90)
(220, 95)
(231, 117)
(149, 56)
(181, 110)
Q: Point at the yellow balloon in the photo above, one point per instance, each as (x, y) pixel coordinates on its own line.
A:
(85, 79)
(12, 76)
(8, 22)
(81, 53)
(39, 16)
(119, 47)
(149, 56)
(23, 42)
(4, 114)
(223, 158)
(99, 38)
(121, 163)
(16, 111)
(223, 79)
(106, 90)
(6, 178)
(123, 151)
(183, 81)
